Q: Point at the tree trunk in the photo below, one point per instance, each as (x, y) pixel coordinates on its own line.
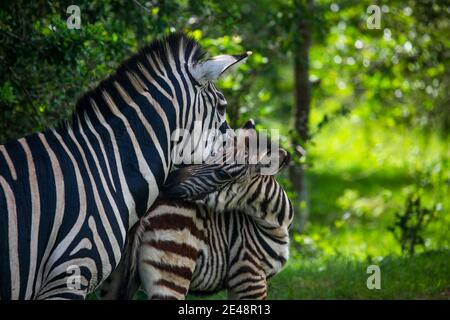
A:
(302, 100)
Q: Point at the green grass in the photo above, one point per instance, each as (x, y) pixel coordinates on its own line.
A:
(426, 275)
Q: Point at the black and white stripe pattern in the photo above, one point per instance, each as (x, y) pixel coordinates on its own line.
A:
(69, 195)
(235, 239)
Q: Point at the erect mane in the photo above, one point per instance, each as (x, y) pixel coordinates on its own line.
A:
(157, 48)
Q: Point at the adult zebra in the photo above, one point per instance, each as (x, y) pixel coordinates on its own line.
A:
(68, 195)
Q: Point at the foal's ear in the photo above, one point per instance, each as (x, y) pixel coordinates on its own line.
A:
(195, 182)
(213, 68)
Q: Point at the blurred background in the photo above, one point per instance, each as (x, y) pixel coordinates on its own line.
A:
(364, 111)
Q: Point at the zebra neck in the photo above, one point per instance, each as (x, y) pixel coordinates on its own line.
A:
(216, 248)
(129, 151)
(271, 229)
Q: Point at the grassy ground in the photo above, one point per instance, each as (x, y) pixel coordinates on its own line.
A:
(425, 276)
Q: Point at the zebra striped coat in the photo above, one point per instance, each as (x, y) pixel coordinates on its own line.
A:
(236, 239)
(69, 195)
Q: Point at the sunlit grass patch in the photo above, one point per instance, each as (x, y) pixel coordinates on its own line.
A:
(358, 144)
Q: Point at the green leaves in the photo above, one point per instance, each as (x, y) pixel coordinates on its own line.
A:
(410, 224)
(7, 93)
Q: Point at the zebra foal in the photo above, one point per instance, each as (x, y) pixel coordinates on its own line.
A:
(234, 239)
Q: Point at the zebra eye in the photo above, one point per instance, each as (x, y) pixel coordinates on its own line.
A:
(221, 108)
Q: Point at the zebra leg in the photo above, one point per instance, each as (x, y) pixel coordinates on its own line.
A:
(162, 285)
(249, 286)
(108, 289)
(164, 275)
(124, 281)
(119, 287)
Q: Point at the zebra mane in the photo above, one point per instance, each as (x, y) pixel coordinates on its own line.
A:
(157, 48)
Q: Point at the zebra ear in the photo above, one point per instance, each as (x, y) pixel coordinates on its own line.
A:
(213, 68)
(273, 164)
(195, 182)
